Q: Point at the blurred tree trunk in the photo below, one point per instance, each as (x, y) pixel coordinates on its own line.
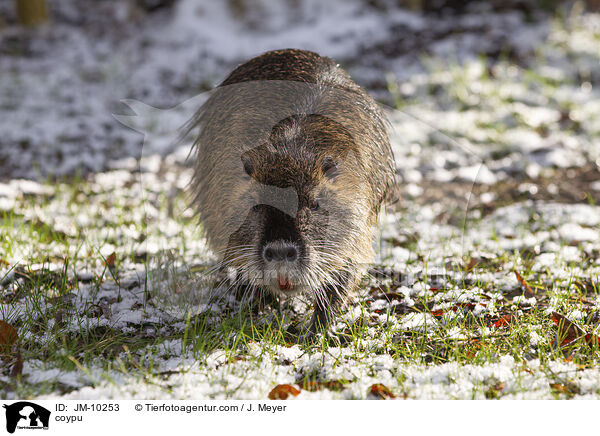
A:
(32, 12)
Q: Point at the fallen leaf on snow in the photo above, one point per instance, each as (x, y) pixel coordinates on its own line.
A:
(282, 392)
(381, 392)
(505, 320)
(8, 335)
(110, 260)
(476, 346)
(523, 282)
(567, 388)
(568, 331)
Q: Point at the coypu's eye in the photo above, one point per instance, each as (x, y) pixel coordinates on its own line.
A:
(314, 205)
(248, 164)
(329, 167)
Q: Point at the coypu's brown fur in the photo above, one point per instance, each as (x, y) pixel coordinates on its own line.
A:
(292, 157)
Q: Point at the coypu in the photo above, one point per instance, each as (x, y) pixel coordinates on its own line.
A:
(293, 163)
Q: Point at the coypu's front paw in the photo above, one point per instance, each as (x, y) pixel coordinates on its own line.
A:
(306, 338)
(306, 333)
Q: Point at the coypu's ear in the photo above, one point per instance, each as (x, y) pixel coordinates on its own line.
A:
(248, 164)
(330, 167)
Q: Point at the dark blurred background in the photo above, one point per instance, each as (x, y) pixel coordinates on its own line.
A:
(514, 80)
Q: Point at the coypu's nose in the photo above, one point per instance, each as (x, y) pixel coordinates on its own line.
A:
(280, 252)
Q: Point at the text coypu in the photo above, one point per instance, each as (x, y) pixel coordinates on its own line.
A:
(293, 163)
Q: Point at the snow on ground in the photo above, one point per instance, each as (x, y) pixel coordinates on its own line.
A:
(447, 381)
(560, 242)
(63, 82)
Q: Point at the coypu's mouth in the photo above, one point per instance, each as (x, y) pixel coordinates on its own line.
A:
(283, 283)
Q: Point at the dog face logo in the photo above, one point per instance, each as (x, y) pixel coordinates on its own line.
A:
(24, 414)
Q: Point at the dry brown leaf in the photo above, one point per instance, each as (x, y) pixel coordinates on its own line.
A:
(505, 320)
(568, 388)
(110, 260)
(592, 339)
(528, 291)
(282, 392)
(475, 347)
(8, 334)
(381, 392)
(559, 388)
(472, 264)
(568, 331)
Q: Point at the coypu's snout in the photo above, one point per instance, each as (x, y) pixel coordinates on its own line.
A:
(280, 252)
(281, 248)
(281, 265)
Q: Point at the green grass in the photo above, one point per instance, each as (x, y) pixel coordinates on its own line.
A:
(58, 331)
(70, 337)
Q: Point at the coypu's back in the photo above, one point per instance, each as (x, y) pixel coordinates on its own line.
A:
(293, 65)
